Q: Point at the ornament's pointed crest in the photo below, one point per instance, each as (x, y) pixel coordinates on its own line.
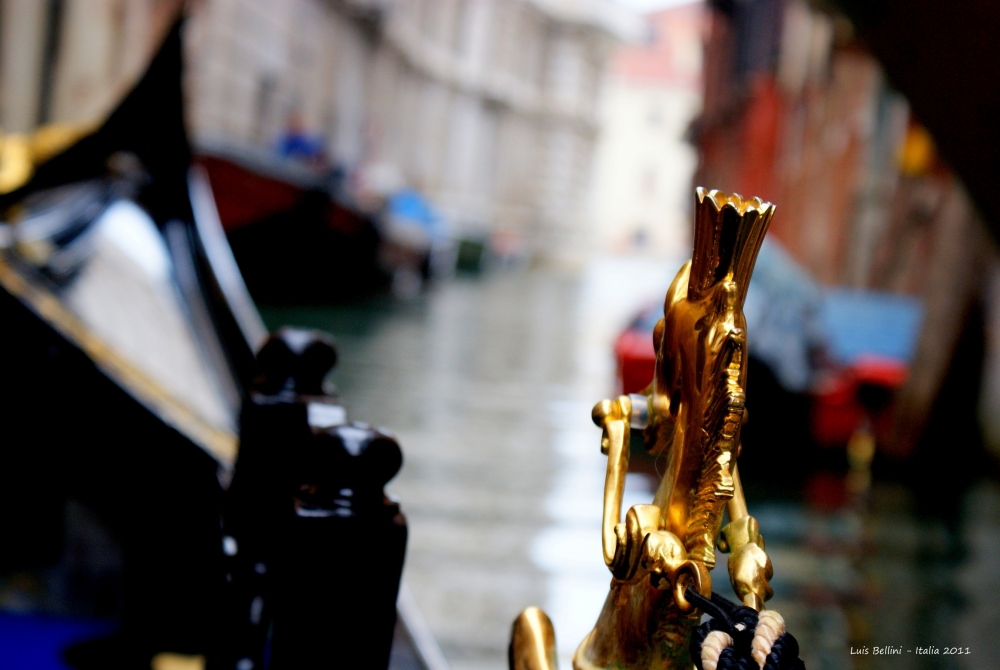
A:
(728, 232)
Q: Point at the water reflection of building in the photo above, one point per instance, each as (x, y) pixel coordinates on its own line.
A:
(488, 106)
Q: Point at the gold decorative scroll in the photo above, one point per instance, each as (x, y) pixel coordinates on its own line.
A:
(691, 416)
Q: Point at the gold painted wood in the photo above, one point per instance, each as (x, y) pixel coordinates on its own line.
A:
(691, 415)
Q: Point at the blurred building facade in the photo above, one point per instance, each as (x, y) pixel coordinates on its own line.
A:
(798, 112)
(73, 60)
(487, 106)
(644, 164)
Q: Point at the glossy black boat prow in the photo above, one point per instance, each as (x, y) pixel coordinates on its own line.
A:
(128, 340)
(129, 347)
(125, 237)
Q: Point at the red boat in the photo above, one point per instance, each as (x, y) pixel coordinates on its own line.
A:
(634, 351)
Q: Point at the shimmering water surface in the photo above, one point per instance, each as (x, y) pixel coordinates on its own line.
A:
(488, 383)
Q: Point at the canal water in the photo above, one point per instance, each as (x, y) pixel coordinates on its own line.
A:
(489, 381)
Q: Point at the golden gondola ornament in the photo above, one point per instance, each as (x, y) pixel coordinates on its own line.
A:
(690, 415)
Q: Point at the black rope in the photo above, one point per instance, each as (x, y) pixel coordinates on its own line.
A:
(714, 608)
(740, 623)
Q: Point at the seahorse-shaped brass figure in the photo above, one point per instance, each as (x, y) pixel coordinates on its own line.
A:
(691, 413)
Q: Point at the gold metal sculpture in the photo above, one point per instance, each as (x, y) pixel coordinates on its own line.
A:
(691, 414)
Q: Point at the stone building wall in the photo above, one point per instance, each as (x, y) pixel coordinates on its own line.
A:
(642, 199)
(72, 60)
(487, 106)
(797, 111)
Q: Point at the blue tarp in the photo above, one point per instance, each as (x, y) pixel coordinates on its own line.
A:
(411, 206)
(790, 318)
(33, 642)
(781, 308)
(868, 323)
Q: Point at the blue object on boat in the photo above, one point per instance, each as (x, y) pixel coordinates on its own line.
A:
(300, 145)
(781, 311)
(790, 316)
(413, 206)
(36, 642)
(870, 323)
